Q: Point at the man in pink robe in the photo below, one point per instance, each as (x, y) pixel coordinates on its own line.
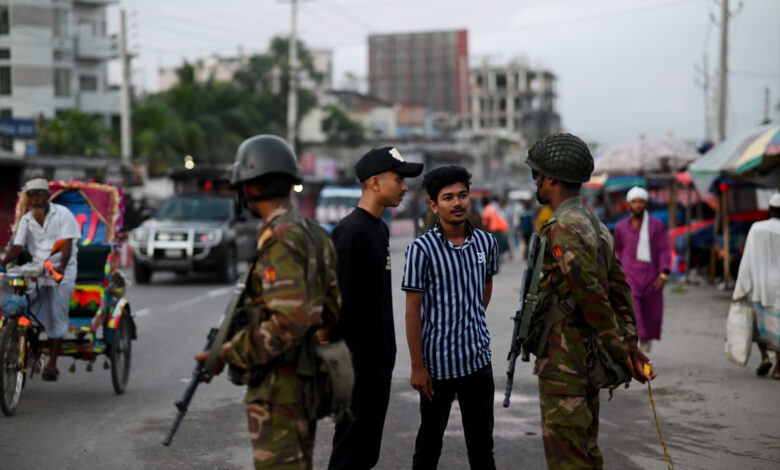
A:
(642, 246)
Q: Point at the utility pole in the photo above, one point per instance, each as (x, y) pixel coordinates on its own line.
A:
(124, 98)
(766, 107)
(725, 17)
(292, 96)
(704, 82)
(723, 68)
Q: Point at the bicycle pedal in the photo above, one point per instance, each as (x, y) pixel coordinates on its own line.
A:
(89, 367)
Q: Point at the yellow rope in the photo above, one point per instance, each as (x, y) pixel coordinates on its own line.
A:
(657, 424)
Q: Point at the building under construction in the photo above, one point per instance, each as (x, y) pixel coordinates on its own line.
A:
(425, 68)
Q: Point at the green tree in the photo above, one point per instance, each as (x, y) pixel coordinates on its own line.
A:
(75, 133)
(209, 120)
(341, 128)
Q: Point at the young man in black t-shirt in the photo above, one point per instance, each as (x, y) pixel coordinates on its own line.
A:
(362, 242)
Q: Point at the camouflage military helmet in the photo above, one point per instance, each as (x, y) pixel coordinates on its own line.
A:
(563, 157)
(263, 155)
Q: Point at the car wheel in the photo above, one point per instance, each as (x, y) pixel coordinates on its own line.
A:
(141, 272)
(228, 271)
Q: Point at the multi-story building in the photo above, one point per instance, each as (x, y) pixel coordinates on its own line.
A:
(54, 56)
(425, 68)
(513, 101)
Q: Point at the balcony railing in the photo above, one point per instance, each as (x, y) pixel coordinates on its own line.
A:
(99, 102)
(92, 47)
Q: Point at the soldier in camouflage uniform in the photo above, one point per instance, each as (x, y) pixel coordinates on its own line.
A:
(291, 305)
(590, 280)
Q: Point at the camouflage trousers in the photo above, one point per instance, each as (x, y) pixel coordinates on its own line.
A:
(282, 436)
(570, 427)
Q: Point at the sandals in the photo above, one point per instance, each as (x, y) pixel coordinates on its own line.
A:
(763, 369)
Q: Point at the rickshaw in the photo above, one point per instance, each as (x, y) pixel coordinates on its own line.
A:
(100, 318)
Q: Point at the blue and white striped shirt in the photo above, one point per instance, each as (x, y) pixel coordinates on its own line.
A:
(455, 338)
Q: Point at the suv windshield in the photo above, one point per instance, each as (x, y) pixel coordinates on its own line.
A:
(180, 208)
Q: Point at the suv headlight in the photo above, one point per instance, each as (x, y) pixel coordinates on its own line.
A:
(139, 235)
(209, 237)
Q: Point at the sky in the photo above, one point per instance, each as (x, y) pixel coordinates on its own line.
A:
(624, 68)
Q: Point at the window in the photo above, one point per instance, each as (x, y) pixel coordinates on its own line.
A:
(5, 25)
(88, 83)
(6, 141)
(5, 54)
(60, 23)
(61, 82)
(87, 28)
(60, 56)
(501, 81)
(5, 80)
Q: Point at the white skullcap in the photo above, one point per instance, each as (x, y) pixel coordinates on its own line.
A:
(36, 184)
(774, 201)
(637, 193)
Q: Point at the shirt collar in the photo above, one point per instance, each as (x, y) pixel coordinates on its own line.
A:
(440, 234)
(567, 204)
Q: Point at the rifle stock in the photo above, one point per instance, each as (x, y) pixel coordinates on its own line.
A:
(521, 319)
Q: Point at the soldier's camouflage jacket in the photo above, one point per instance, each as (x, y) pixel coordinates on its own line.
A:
(571, 269)
(286, 257)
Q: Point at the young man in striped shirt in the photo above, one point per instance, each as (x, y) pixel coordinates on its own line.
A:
(448, 279)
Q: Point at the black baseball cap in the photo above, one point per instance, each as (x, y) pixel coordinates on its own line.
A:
(384, 159)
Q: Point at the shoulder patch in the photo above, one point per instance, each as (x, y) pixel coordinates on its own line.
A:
(267, 233)
(558, 251)
(269, 274)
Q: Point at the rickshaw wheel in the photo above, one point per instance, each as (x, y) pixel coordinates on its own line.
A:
(120, 353)
(12, 376)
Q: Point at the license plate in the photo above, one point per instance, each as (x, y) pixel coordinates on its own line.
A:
(174, 253)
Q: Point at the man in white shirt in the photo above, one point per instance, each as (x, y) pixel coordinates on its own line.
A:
(757, 281)
(39, 229)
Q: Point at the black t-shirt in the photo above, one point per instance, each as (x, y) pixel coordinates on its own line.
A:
(366, 322)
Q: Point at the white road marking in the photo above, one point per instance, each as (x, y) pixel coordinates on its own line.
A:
(220, 291)
(186, 303)
(143, 312)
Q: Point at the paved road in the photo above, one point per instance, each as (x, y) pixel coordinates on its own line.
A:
(714, 414)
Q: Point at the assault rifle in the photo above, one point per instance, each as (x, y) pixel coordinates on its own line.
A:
(524, 312)
(214, 340)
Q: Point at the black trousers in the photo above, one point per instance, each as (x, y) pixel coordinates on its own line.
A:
(356, 444)
(475, 394)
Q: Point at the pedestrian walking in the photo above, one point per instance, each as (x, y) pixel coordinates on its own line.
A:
(283, 305)
(362, 242)
(448, 280)
(584, 305)
(526, 225)
(642, 246)
(495, 223)
(758, 280)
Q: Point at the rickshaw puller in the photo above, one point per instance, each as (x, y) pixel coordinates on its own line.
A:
(39, 229)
